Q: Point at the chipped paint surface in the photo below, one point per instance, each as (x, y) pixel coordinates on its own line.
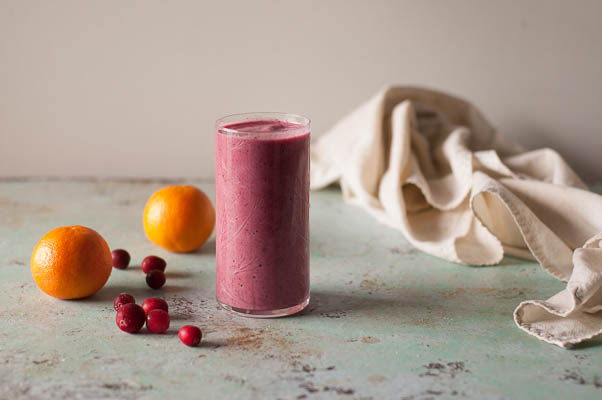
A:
(385, 321)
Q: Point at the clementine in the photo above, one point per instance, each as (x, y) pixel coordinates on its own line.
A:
(71, 262)
(179, 218)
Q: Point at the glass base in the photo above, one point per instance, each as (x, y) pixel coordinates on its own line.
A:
(283, 312)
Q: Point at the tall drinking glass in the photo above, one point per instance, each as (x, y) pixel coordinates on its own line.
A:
(262, 202)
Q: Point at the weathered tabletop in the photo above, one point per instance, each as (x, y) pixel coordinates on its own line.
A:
(385, 321)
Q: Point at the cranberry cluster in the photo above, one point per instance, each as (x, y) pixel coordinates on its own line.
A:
(131, 317)
(152, 266)
(154, 311)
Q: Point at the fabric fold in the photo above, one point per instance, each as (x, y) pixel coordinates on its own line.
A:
(430, 165)
(573, 315)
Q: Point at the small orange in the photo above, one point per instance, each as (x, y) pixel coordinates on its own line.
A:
(71, 262)
(179, 218)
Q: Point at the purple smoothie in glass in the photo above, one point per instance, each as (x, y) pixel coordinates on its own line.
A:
(262, 202)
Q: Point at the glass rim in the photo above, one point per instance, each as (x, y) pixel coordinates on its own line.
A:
(221, 123)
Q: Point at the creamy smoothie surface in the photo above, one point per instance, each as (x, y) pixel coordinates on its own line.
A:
(262, 228)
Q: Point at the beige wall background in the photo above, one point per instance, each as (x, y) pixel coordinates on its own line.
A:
(132, 88)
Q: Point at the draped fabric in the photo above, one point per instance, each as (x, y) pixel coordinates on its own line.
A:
(430, 165)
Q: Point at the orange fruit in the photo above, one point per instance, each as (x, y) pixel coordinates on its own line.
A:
(71, 262)
(179, 218)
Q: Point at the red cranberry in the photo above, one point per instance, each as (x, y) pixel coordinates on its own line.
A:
(154, 303)
(130, 318)
(121, 258)
(155, 279)
(121, 299)
(190, 335)
(157, 321)
(151, 263)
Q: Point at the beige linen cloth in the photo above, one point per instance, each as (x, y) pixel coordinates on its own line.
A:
(431, 166)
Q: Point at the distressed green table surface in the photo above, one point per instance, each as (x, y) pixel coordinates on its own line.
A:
(385, 321)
